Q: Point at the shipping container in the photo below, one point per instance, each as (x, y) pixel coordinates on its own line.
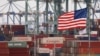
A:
(4, 51)
(95, 50)
(44, 54)
(86, 55)
(70, 43)
(4, 54)
(19, 49)
(19, 55)
(17, 44)
(3, 45)
(87, 38)
(83, 50)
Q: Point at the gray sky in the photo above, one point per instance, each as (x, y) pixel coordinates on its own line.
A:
(21, 6)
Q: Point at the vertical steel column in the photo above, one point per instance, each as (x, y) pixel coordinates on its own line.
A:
(88, 2)
(26, 17)
(75, 8)
(8, 14)
(67, 32)
(47, 16)
(67, 5)
(59, 11)
(37, 16)
(20, 20)
(93, 20)
(14, 18)
(59, 7)
(36, 27)
(7, 18)
(55, 17)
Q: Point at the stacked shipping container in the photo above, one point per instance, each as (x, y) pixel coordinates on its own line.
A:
(4, 50)
(14, 48)
(81, 48)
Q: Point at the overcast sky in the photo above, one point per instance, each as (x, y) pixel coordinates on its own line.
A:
(21, 5)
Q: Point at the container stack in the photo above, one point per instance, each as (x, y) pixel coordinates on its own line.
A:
(81, 48)
(69, 48)
(4, 50)
(18, 49)
(88, 48)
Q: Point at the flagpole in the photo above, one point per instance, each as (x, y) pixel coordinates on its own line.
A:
(88, 23)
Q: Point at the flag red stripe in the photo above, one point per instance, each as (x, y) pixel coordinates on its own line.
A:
(73, 26)
(61, 25)
(70, 21)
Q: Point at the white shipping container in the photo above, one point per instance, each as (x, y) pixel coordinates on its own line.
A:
(22, 39)
(53, 40)
(43, 50)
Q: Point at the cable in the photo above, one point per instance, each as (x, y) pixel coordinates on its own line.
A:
(3, 8)
(53, 10)
(39, 4)
(19, 5)
(4, 4)
(16, 7)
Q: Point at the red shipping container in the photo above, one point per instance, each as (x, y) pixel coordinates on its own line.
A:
(83, 50)
(51, 46)
(87, 50)
(4, 54)
(19, 54)
(83, 44)
(4, 51)
(86, 55)
(17, 27)
(95, 44)
(95, 50)
(3, 45)
(19, 49)
(70, 50)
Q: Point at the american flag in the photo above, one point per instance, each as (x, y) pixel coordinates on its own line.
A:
(74, 19)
